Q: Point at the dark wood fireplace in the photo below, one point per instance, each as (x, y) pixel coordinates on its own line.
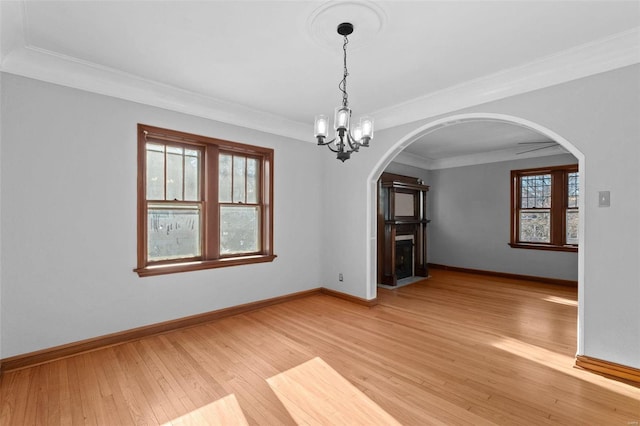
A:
(402, 228)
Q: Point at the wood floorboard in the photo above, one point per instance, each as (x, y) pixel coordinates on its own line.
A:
(456, 348)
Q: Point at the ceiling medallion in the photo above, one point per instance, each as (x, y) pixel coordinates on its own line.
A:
(366, 16)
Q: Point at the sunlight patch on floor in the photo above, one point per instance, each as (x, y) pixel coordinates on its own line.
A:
(316, 394)
(563, 364)
(224, 411)
(561, 300)
(534, 353)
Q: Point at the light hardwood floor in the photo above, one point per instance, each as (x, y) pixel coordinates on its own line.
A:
(454, 349)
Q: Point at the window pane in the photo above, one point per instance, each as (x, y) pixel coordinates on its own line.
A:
(239, 227)
(572, 226)
(192, 175)
(239, 174)
(174, 173)
(224, 178)
(535, 191)
(573, 190)
(155, 172)
(173, 232)
(535, 226)
(253, 170)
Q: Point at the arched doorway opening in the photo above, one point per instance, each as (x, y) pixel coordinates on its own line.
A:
(433, 126)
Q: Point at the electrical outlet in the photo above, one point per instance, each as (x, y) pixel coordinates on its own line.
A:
(340, 277)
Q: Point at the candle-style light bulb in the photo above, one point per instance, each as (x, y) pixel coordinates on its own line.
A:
(367, 127)
(341, 121)
(357, 133)
(321, 126)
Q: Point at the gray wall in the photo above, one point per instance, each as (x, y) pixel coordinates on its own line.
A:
(598, 116)
(68, 219)
(470, 223)
(65, 280)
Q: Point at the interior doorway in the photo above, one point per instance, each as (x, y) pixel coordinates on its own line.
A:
(433, 126)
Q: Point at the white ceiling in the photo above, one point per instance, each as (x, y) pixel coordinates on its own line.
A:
(274, 65)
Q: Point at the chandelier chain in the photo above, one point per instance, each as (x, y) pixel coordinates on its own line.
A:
(343, 84)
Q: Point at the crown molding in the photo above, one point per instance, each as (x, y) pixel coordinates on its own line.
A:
(496, 156)
(616, 51)
(19, 58)
(67, 71)
(413, 160)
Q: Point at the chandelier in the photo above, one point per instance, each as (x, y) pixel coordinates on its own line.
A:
(345, 142)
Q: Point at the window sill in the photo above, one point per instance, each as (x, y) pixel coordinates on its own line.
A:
(173, 268)
(549, 247)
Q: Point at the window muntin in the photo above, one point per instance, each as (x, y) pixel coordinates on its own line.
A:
(239, 179)
(173, 202)
(535, 191)
(173, 172)
(239, 199)
(573, 194)
(202, 202)
(535, 209)
(545, 208)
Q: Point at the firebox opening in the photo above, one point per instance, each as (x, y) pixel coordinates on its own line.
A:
(404, 258)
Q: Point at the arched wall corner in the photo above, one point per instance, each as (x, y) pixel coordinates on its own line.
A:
(432, 126)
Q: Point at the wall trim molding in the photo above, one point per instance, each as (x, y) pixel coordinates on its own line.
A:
(607, 54)
(43, 356)
(545, 280)
(497, 156)
(353, 299)
(608, 369)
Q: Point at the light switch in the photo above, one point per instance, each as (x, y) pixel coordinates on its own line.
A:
(604, 199)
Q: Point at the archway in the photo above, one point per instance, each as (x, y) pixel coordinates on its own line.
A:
(402, 143)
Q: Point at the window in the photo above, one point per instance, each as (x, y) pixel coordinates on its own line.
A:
(202, 202)
(544, 209)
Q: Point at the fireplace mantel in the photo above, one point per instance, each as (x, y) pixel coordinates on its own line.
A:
(402, 211)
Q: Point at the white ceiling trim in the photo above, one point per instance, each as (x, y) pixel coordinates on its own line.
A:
(496, 156)
(613, 52)
(72, 72)
(508, 154)
(414, 160)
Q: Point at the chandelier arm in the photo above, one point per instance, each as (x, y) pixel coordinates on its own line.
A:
(353, 145)
(328, 145)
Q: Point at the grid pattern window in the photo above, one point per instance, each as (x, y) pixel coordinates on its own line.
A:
(239, 199)
(535, 208)
(572, 209)
(544, 211)
(202, 202)
(174, 202)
